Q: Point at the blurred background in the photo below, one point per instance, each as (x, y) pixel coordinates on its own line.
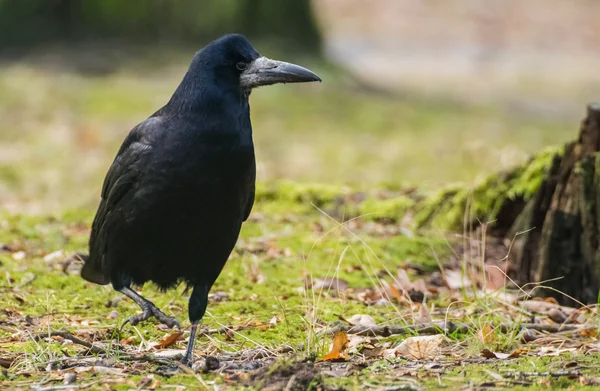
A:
(415, 93)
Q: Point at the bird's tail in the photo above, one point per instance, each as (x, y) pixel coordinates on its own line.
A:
(90, 271)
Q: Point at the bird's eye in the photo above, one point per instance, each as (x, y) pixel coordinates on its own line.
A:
(241, 66)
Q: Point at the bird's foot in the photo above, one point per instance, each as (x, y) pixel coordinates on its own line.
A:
(152, 311)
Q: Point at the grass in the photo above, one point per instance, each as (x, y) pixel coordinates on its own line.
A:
(60, 132)
(264, 296)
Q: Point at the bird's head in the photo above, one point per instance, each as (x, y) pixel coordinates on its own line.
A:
(233, 58)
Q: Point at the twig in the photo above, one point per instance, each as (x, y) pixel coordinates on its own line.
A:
(67, 335)
(444, 328)
(545, 374)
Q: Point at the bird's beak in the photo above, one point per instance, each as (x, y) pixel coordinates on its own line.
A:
(263, 72)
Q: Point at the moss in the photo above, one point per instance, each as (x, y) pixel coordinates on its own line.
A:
(392, 209)
(452, 207)
(288, 191)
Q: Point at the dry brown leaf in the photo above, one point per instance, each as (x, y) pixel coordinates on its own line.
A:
(421, 347)
(339, 350)
(403, 281)
(354, 341)
(496, 277)
(169, 340)
(502, 356)
(419, 285)
(363, 320)
(486, 334)
(393, 291)
(371, 297)
(424, 315)
(127, 341)
(589, 332)
(257, 324)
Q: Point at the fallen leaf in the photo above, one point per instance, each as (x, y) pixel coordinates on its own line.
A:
(455, 279)
(502, 356)
(54, 256)
(403, 281)
(424, 315)
(363, 320)
(392, 291)
(420, 285)
(330, 284)
(354, 341)
(421, 347)
(496, 277)
(339, 349)
(589, 332)
(486, 334)
(169, 340)
(127, 341)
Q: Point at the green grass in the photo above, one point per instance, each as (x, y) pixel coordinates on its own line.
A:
(264, 281)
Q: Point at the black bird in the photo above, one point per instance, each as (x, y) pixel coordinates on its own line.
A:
(182, 183)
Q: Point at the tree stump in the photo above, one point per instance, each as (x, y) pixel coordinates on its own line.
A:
(556, 233)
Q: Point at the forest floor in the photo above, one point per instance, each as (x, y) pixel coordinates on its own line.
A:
(319, 292)
(305, 302)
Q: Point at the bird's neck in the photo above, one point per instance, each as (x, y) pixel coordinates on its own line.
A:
(200, 92)
(215, 107)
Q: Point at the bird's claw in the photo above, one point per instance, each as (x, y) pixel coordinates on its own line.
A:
(149, 312)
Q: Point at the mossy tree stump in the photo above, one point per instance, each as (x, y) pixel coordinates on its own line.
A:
(556, 232)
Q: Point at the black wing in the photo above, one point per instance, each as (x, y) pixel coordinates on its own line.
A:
(119, 185)
(252, 190)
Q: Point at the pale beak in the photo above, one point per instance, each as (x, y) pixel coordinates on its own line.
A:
(264, 71)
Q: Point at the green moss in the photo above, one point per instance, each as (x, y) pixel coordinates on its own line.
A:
(392, 209)
(454, 206)
(288, 191)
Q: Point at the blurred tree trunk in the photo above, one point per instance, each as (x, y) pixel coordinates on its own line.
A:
(561, 222)
(292, 20)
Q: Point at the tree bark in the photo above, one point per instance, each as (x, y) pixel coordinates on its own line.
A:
(559, 248)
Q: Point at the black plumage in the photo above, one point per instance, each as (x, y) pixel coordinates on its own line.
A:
(182, 183)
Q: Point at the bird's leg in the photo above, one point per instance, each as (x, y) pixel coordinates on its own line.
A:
(148, 310)
(189, 352)
(196, 309)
